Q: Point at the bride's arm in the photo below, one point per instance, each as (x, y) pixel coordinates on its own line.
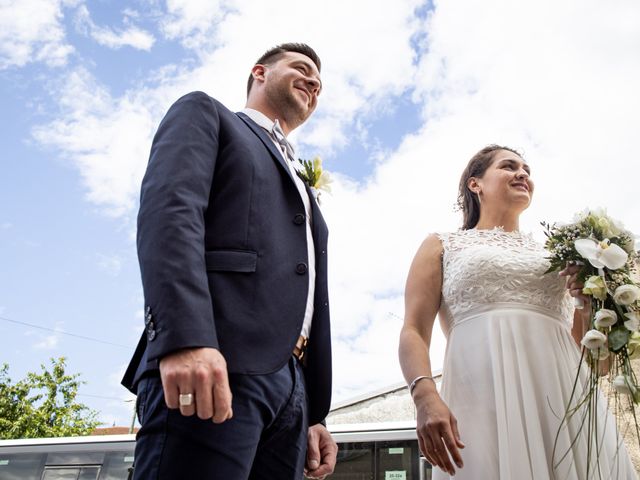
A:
(436, 426)
(580, 326)
(581, 316)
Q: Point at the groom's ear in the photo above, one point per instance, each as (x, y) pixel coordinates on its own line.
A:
(258, 72)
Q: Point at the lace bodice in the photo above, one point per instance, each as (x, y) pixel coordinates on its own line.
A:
(483, 267)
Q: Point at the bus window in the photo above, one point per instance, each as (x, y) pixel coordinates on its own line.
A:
(71, 473)
(355, 462)
(22, 466)
(116, 465)
(397, 460)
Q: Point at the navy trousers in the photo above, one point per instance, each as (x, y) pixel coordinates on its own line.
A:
(265, 440)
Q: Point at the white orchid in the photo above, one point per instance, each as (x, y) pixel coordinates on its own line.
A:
(626, 294)
(605, 318)
(602, 254)
(594, 339)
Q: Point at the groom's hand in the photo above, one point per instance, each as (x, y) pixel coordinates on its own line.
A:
(322, 452)
(201, 372)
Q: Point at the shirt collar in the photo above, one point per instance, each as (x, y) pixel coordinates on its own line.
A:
(260, 118)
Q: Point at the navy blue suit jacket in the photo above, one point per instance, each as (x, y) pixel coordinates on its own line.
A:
(223, 251)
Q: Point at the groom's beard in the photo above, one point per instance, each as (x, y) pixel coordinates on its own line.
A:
(287, 101)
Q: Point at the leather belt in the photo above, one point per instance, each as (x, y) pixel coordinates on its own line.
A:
(300, 350)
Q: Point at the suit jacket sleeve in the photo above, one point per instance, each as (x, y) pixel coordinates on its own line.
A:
(171, 227)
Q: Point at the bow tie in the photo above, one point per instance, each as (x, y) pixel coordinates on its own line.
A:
(278, 134)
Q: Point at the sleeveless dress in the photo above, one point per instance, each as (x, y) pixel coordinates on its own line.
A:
(510, 364)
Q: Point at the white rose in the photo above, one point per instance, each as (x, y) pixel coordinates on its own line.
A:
(626, 294)
(609, 227)
(594, 339)
(623, 385)
(633, 324)
(605, 318)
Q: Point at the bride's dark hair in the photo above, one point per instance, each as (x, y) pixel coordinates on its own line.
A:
(467, 200)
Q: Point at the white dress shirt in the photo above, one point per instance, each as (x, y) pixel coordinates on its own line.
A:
(263, 121)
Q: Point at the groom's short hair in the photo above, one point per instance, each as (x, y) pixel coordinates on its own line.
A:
(274, 54)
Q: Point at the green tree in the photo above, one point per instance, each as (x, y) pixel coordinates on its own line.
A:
(43, 404)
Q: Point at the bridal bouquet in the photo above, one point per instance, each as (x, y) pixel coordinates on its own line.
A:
(605, 251)
(315, 176)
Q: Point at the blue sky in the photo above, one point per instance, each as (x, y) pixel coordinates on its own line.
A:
(412, 90)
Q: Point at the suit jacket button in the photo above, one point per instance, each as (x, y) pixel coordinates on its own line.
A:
(151, 331)
(298, 219)
(301, 268)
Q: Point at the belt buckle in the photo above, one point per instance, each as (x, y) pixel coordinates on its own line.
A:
(300, 349)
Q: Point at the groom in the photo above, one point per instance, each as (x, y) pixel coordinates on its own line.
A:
(233, 371)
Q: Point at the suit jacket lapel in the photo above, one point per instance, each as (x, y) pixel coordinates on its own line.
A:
(266, 139)
(318, 224)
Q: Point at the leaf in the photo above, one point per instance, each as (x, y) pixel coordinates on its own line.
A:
(618, 338)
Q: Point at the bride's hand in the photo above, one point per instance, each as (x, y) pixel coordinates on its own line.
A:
(572, 283)
(437, 430)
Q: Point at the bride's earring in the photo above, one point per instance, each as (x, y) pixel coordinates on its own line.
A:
(477, 191)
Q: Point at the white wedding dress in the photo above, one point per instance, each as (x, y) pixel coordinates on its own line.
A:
(511, 362)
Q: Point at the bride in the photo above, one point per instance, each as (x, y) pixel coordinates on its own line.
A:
(512, 343)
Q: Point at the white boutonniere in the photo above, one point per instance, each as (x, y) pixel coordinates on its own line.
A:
(315, 176)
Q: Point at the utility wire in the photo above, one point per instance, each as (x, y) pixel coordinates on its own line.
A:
(62, 332)
(103, 397)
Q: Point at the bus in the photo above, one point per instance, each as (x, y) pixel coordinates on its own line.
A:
(383, 451)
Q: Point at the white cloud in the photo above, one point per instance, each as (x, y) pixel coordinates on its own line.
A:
(364, 65)
(112, 264)
(557, 81)
(32, 31)
(113, 381)
(107, 139)
(115, 404)
(132, 36)
(44, 341)
(192, 21)
(47, 343)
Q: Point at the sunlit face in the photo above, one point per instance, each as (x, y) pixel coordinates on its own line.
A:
(292, 86)
(507, 181)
